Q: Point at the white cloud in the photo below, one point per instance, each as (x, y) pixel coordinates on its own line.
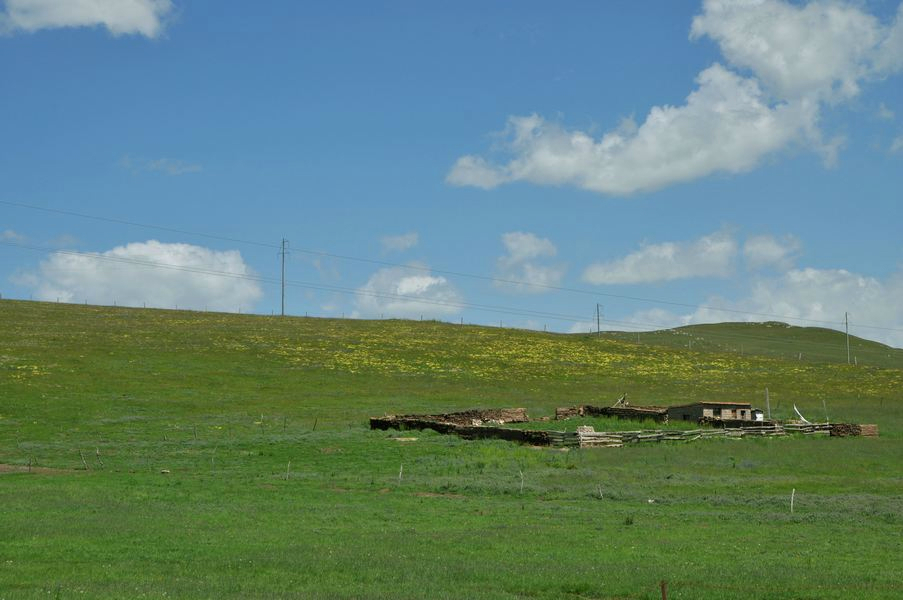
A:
(726, 125)
(399, 243)
(168, 166)
(709, 256)
(884, 113)
(800, 57)
(890, 52)
(523, 263)
(8, 235)
(763, 251)
(397, 292)
(120, 17)
(822, 49)
(525, 246)
(896, 145)
(127, 276)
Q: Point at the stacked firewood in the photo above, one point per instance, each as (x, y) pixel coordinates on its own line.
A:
(852, 429)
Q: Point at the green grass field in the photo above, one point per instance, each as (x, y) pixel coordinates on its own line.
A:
(192, 455)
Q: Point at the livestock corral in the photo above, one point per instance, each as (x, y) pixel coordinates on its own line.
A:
(496, 423)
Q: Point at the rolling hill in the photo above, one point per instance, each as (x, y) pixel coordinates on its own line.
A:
(151, 452)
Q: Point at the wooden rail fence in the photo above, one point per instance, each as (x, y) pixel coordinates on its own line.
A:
(586, 437)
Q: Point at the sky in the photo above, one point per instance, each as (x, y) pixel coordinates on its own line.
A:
(492, 162)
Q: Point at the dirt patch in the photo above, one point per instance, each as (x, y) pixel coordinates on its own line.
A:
(330, 450)
(405, 439)
(6, 469)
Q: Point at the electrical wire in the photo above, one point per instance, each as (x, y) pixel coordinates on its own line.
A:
(451, 273)
(304, 284)
(515, 311)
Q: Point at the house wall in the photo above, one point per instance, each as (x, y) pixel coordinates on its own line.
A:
(697, 411)
(685, 413)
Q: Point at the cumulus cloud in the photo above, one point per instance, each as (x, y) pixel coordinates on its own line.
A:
(890, 55)
(399, 243)
(763, 251)
(120, 17)
(799, 58)
(709, 256)
(152, 272)
(725, 125)
(524, 263)
(806, 297)
(397, 292)
(823, 49)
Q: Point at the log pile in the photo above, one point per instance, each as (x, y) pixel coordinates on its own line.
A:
(870, 430)
(568, 412)
(808, 428)
(852, 429)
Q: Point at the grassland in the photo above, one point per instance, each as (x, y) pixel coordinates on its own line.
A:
(179, 454)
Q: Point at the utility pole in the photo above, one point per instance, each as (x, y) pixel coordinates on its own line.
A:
(846, 322)
(282, 253)
(598, 319)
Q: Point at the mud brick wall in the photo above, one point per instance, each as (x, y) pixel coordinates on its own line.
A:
(656, 413)
(468, 431)
(498, 415)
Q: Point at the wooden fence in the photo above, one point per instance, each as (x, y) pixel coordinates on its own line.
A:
(585, 437)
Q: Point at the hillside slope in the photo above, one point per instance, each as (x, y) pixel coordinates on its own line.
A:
(149, 454)
(190, 358)
(775, 340)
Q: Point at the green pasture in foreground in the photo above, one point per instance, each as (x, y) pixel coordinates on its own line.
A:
(229, 456)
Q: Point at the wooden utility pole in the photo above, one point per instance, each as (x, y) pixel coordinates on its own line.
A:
(282, 253)
(846, 323)
(598, 319)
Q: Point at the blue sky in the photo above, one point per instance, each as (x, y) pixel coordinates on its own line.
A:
(664, 159)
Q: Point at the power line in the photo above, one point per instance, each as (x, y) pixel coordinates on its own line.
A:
(136, 224)
(304, 284)
(451, 273)
(516, 311)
